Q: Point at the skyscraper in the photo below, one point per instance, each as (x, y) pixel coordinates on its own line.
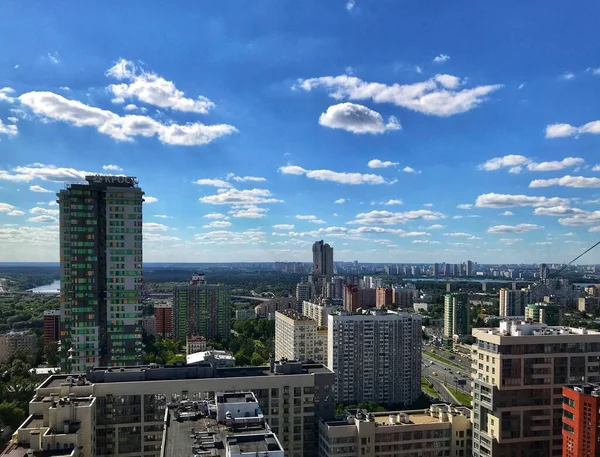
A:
(322, 259)
(101, 273)
(581, 420)
(469, 268)
(512, 302)
(543, 271)
(456, 315)
(201, 309)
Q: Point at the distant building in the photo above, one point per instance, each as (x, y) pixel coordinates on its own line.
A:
(194, 344)
(351, 298)
(592, 291)
(218, 359)
(245, 314)
(298, 337)
(512, 302)
(456, 315)
(589, 304)
(163, 315)
(544, 313)
(367, 298)
(581, 420)
(422, 307)
(149, 325)
(51, 326)
(17, 341)
(384, 297)
(201, 309)
(322, 259)
(543, 271)
(469, 268)
(376, 356)
(404, 297)
(318, 311)
(303, 291)
(440, 430)
(268, 308)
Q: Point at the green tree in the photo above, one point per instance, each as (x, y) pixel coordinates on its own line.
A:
(51, 354)
(12, 413)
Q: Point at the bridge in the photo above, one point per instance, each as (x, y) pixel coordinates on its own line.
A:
(251, 298)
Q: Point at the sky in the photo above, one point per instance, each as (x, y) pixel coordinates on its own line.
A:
(397, 131)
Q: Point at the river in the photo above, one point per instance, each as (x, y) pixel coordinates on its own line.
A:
(53, 288)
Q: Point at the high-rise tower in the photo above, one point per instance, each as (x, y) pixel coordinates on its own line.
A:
(322, 259)
(101, 273)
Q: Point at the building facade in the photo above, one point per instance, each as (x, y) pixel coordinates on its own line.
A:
(101, 273)
(322, 259)
(51, 326)
(298, 337)
(456, 315)
(303, 292)
(195, 344)
(245, 314)
(441, 430)
(318, 311)
(376, 356)
(149, 325)
(544, 313)
(384, 297)
(581, 419)
(519, 370)
(17, 341)
(351, 298)
(512, 302)
(163, 314)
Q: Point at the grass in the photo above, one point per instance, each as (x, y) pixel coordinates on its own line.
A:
(443, 359)
(462, 397)
(427, 387)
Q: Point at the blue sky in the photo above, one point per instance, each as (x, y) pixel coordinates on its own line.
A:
(396, 131)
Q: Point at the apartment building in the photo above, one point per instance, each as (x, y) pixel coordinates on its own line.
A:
(351, 299)
(544, 313)
(51, 326)
(163, 314)
(149, 325)
(519, 370)
(441, 430)
(581, 419)
(194, 344)
(298, 337)
(456, 315)
(512, 302)
(129, 406)
(17, 341)
(101, 273)
(384, 297)
(376, 356)
(318, 310)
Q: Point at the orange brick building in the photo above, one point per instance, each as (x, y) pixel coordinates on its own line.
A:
(384, 297)
(580, 420)
(163, 314)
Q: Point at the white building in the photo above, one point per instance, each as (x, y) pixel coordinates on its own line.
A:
(376, 356)
(298, 337)
(217, 358)
(195, 344)
(318, 311)
(512, 302)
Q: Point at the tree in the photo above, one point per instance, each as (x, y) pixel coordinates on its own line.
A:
(12, 414)
(51, 354)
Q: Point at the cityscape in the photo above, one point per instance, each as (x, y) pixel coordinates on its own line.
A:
(299, 229)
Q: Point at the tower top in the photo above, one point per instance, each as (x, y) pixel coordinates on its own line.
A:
(119, 181)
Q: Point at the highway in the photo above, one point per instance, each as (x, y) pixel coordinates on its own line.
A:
(448, 375)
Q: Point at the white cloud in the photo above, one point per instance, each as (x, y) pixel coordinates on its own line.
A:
(246, 178)
(376, 163)
(389, 218)
(521, 86)
(465, 206)
(43, 219)
(596, 168)
(510, 241)
(568, 75)
(579, 219)
(394, 202)
(564, 130)
(29, 235)
(441, 58)
(52, 106)
(152, 89)
(519, 228)
(217, 224)
(515, 164)
(594, 71)
(334, 176)
(306, 217)
(248, 212)
(555, 165)
(37, 188)
(130, 107)
(356, 119)
(457, 217)
(284, 226)
(507, 213)
(65, 88)
(461, 235)
(222, 237)
(5, 95)
(350, 4)
(595, 229)
(154, 227)
(557, 211)
(213, 182)
(425, 242)
(44, 211)
(408, 169)
(10, 210)
(567, 181)
(435, 227)
(45, 173)
(157, 237)
(52, 203)
(508, 161)
(111, 168)
(53, 58)
(215, 216)
(494, 200)
(543, 243)
(8, 129)
(339, 201)
(427, 205)
(428, 97)
(163, 216)
(148, 199)
(240, 197)
(418, 69)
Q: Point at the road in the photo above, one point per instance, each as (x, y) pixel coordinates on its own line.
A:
(447, 374)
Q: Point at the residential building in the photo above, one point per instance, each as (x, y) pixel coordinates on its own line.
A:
(581, 420)
(456, 315)
(351, 298)
(303, 292)
(17, 341)
(51, 326)
(376, 356)
(519, 369)
(149, 325)
(589, 304)
(440, 430)
(298, 337)
(128, 407)
(163, 313)
(384, 297)
(217, 358)
(201, 309)
(322, 259)
(404, 298)
(101, 273)
(245, 314)
(544, 271)
(318, 310)
(592, 291)
(469, 268)
(422, 307)
(544, 313)
(512, 302)
(367, 298)
(194, 344)
(268, 308)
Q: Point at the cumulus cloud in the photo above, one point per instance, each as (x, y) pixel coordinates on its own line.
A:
(557, 211)
(390, 218)
(10, 210)
(148, 199)
(508, 161)
(568, 75)
(111, 168)
(408, 169)
(567, 181)
(350, 4)
(154, 227)
(555, 165)
(245, 178)
(51, 106)
(217, 224)
(44, 211)
(425, 242)
(393, 202)
(431, 97)
(45, 173)
(519, 228)
(215, 216)
(335, 176)
(565, 130)
(494, 200)
(163, 216)
(240, 197)
(441, 58)
(465, 206)
(339, 201)
(596, 168)
(222, 237)
(248, 212)
(461, 235)
(213, 182)
(507, 213)
(44, 219)
(579, 219)
(356, 119)
(510, 241)
(284, 226)
(376, 163)
(53, 58)
(8, 129)
(515, 164)
(5, 95)
(152, 89)
(37, 188)
(29, 235)
(158, 237)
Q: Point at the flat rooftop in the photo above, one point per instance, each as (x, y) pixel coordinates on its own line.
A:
(404, 418)
(511, 328)
(16, 450)
(295, 315)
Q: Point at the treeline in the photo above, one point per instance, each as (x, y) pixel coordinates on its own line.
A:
(18, 311)
(23, 278)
